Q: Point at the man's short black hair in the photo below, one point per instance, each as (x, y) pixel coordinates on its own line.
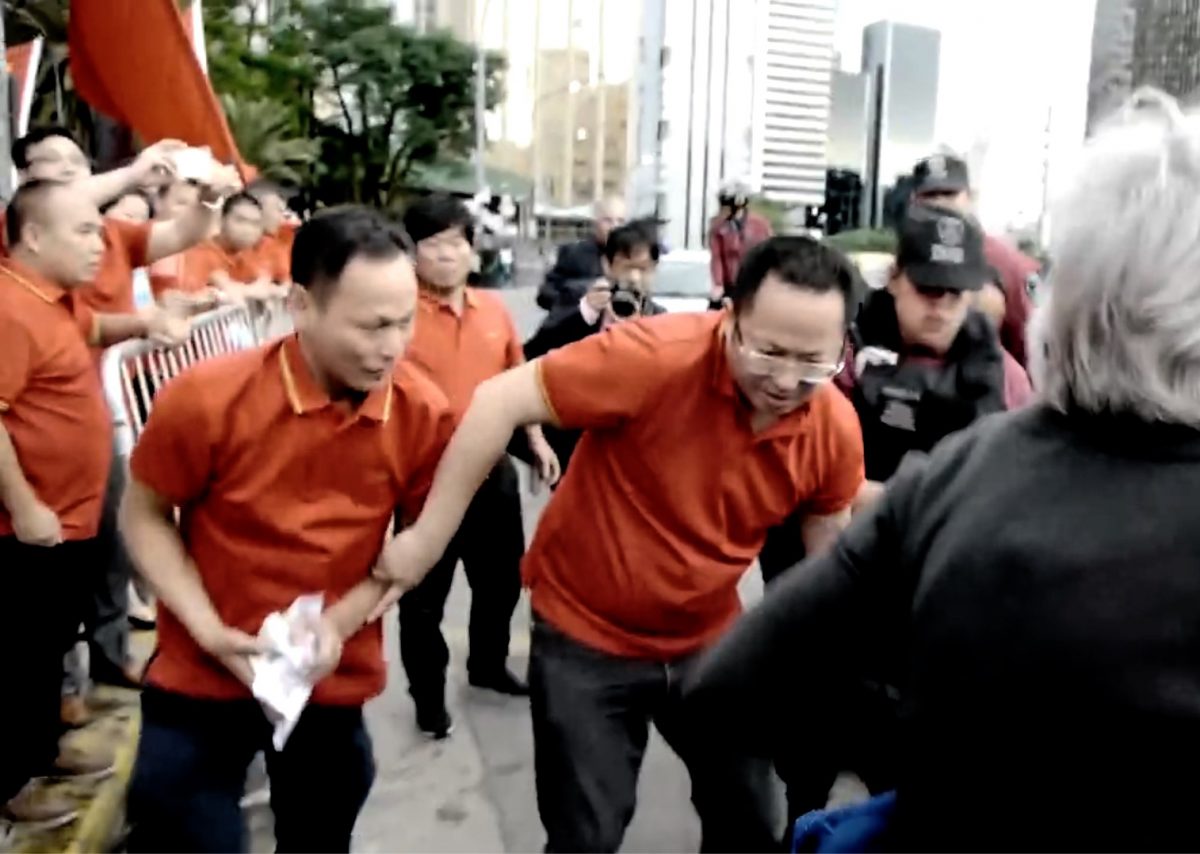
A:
(20, 149)
(20, 208)
(141, 194)
(332, 238)
(628, 238)
(437, 213)
(802, 262)
(242, 198)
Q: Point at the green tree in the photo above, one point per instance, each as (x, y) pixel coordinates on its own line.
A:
(864, 240)
(380, 98)
(265, 134)
(772, 211)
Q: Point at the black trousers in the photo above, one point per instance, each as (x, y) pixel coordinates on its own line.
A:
(591, 717)
(191, 774)
(42, 598)
(490, 543)
(106, 624)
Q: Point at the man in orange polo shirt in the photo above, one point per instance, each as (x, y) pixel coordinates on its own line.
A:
(702, 431)
(55, 448)
(464, 336)
(274, 250)
(228, 262)
(285, 463)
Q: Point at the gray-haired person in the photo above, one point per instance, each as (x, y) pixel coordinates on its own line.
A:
(1032, 588)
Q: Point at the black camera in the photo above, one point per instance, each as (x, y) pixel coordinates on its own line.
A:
(626, 301)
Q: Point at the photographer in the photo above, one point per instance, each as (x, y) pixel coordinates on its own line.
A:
(580, 262)
(622, 293)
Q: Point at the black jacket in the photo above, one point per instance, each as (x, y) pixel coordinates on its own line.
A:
(1034, 584)
(577, 266)
(914, 404)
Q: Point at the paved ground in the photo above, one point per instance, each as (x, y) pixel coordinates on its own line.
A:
(474, 792)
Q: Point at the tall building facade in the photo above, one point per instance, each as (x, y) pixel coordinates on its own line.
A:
(794, 67)
(695, 111)
(1110, 79)
(1143, 43)
(902, 64)
(1166, 46)
(849, 118)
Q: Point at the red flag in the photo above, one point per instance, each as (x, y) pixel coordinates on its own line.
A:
(133, 60)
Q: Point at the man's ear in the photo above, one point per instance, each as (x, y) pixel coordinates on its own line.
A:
(300, 305)
(892, 279)
(605, 266)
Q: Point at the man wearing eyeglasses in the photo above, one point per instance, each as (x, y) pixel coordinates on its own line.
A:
(926, 362)
(700, 432)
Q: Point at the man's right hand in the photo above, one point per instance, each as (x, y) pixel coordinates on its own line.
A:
(599, 295)
(35, 524)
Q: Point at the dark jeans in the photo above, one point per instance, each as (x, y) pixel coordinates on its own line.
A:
(490, 543)
(42, 595)
(191, 774)
(106, 624)
(591, 718)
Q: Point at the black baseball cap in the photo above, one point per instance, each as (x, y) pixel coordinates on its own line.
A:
(940, 173)
(941, 249)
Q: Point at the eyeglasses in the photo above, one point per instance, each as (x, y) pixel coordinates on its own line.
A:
(808, 373)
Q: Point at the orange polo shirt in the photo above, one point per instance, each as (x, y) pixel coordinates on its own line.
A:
(670, 493)
(51, 402)
(191, 271)
(461, 351)
(126, 245)
(243, 445)
(274, 254)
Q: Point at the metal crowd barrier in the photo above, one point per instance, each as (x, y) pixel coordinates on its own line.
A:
(133, 371)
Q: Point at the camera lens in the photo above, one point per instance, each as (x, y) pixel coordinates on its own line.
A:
(624, 306)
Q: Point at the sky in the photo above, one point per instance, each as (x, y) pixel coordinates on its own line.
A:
(1008, 68)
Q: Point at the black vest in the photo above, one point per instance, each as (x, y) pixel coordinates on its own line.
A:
(912, 405)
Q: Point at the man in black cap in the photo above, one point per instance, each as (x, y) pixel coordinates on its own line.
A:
(944, 181)
(927, 363)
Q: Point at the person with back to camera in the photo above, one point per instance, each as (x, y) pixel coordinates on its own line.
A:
(1031, 585)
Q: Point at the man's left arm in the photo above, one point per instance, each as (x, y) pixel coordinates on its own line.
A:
(153, 323)
(842, 472)
(156, 162)
(195, 224)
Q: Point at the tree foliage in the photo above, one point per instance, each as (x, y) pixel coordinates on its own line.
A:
(378, 98)
(864, 240)
(265, 136)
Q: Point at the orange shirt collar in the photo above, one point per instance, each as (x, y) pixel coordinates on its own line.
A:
(32, 281)
(432, 300)
(305, 395)
(722, 377)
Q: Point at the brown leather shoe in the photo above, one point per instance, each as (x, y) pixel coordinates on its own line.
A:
(84, 766)
(74, 711)
(37, 808)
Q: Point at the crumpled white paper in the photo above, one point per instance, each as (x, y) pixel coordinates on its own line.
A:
(281, 683)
